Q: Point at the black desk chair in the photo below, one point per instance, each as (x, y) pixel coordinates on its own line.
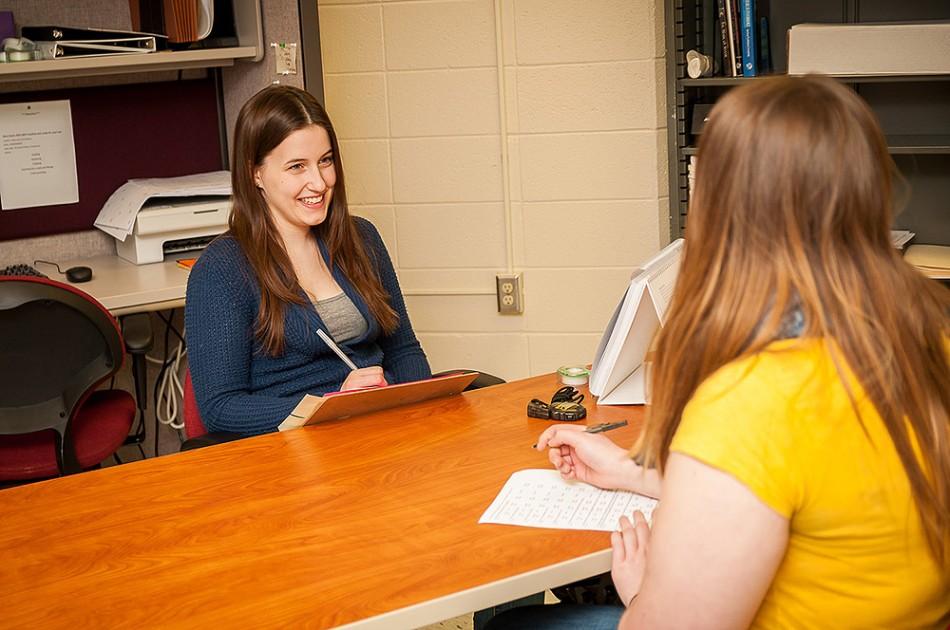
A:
(57, 345)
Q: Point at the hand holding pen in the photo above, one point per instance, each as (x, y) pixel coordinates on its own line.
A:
(584, 454)
(358, 378)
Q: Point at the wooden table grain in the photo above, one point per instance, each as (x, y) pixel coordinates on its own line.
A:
(370, 521)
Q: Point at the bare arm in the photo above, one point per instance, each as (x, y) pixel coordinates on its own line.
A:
(715, 547)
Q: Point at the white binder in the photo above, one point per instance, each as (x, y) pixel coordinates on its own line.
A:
(617, 374)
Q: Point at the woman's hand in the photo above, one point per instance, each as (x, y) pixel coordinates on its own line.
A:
(630, 546)
(364, 378)
(589, 457)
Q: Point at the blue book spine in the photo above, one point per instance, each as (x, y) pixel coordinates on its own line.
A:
(749, 56)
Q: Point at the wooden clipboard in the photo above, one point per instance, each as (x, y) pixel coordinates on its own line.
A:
(313, 409)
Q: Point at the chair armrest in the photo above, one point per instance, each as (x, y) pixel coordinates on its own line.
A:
(482, 380)
(137, 333)
(209, 439)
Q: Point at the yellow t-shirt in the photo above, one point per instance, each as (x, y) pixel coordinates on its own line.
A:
(782, 424)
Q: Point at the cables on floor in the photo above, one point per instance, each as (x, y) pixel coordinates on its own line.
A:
(169, 390)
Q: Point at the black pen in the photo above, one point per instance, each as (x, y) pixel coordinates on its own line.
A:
(600, 428)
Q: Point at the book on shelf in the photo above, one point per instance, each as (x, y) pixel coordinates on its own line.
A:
(731, 38)
(765, 51)
(748, 31)
(735, 29)
(728, 55)
(711, 35)
(740, 37)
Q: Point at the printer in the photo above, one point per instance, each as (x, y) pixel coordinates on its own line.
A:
(174, 225)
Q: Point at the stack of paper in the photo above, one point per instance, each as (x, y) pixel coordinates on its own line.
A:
(117, 216)
(932, 260)
(541, 498)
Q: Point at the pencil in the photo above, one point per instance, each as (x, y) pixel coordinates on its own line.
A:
(326, 338)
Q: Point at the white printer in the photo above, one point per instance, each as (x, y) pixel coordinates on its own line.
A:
(174, 225)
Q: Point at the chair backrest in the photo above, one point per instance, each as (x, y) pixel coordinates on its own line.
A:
(194, 427)
(57, 344)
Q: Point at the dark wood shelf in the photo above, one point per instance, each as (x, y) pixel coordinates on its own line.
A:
(733, 81)
(920, 144)
(716, 81)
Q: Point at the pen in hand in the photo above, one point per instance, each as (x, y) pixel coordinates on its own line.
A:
(326, 338)
(600, 428)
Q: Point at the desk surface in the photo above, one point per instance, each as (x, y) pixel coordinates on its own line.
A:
(124, 287)
(370, 519)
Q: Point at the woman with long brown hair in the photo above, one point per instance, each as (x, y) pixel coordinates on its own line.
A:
(799, 428)
(293, 261)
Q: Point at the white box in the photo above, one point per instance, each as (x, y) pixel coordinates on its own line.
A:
(908, 48)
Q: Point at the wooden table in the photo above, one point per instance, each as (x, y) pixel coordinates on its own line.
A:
(370, 519)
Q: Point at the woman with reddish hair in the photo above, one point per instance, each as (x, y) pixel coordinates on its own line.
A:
(798, 434)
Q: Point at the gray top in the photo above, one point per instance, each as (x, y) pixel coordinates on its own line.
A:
(341, 317)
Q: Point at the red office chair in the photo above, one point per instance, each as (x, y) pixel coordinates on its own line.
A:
(57, 344)
(195, 430)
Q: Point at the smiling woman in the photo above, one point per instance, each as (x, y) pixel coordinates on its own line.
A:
(297, 180)
(294, 261)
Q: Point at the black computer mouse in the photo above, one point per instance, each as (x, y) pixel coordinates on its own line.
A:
(79, 274)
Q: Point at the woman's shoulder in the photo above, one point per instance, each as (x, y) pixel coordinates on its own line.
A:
(223, 252)
(781, 370)
(222, 261)
(368, 232)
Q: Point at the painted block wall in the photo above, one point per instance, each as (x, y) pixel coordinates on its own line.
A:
(488, 136)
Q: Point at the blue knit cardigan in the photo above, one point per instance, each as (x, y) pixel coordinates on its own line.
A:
(242, 389)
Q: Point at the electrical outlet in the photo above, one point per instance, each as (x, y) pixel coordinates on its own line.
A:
(510, 298)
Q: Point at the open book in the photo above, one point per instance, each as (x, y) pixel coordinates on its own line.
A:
(336, 405)
(617, 375)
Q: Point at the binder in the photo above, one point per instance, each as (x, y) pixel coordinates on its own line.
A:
(71, 49)
(62, 41)
(70, 34)
(617, 376)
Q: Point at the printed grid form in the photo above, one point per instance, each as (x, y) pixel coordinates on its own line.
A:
(541, 498)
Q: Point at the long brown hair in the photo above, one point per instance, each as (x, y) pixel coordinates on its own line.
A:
(263, 123)
(792, 208)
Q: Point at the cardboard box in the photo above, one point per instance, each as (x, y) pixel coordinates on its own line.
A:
(907, 48)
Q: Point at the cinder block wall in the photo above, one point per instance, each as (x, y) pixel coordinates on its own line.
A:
(557, 171)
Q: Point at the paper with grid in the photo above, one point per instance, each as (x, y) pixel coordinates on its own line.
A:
(541, 498)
